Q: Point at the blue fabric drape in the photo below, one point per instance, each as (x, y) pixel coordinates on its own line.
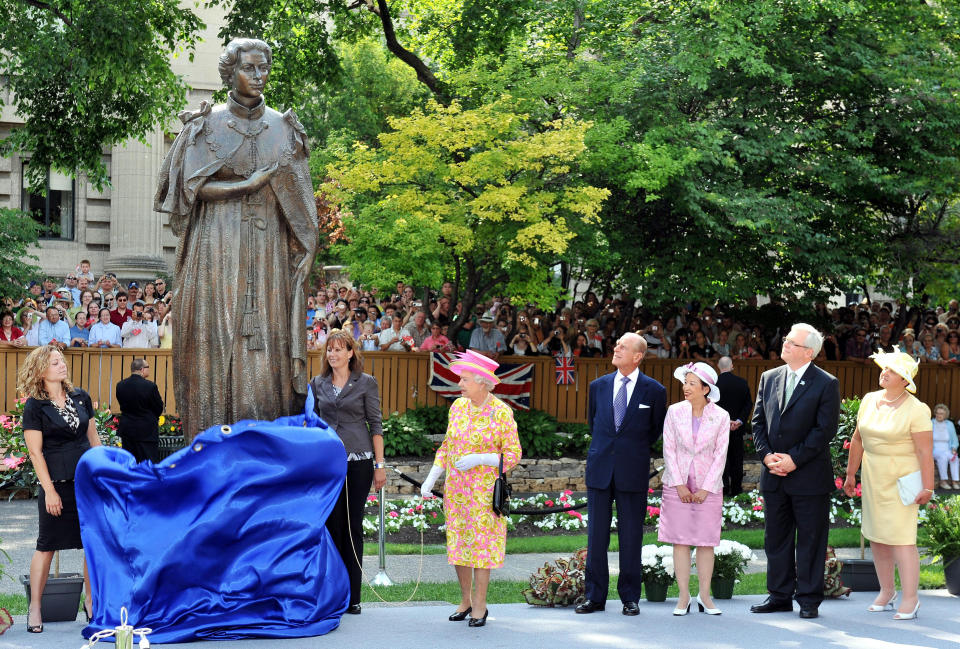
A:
(223, 540)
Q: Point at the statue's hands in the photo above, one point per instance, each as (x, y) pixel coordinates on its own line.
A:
(261, 177)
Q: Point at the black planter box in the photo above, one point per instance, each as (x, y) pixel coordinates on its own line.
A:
(61, 597)
(859, 574)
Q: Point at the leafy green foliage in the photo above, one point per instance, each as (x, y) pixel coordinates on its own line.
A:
(87, 74)
(17, 233)
(537, 431)
(476, 194)
(840, 444)
(578, 438)
(404, 435)
(940, 533)
(431, 419)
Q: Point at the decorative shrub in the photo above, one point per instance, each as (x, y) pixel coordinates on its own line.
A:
(403, 435)
(432, 420)
(657, 564)
(731, 559)
(940, 533)
(538, 433)
(560, 583)
(170, 425)
(840, 445)
(578, 442)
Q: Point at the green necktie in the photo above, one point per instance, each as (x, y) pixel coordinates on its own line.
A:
(791, 384)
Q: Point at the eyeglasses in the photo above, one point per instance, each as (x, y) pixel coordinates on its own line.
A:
(71, 278)
(789, 343)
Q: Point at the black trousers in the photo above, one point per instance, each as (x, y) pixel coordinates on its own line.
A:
(733, 469)
(346, 522)
(142, 449)
(631, 511)
(795, 540)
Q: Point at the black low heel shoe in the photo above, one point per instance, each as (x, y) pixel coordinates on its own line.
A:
(353, 609)
(460, 616)
(479, 621)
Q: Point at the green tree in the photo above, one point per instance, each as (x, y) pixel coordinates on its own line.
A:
(18, 232)
(475, 195)
(85, 74)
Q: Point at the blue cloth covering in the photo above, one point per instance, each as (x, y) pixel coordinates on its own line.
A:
(223, 540)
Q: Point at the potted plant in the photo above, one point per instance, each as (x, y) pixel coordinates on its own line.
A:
(559, 584)
(61, 595)
(730, 561)
(940, 534)
(658, 571)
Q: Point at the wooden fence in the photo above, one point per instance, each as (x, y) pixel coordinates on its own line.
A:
(404, 378)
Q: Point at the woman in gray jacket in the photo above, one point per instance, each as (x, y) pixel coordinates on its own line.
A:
(349, 401)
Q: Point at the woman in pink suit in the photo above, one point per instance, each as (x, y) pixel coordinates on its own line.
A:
(695, 437)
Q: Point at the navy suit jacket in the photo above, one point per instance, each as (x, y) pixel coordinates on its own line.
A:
(623, 455)
(802, 428)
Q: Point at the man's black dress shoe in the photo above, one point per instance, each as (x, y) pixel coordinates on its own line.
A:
(589, 606)
(773, 606)
(808, 612)
(631, 608)
(460, 616)
(475, 621)
(353, 609)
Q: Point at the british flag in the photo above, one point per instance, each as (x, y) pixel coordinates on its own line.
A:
(516, 380)
(566, 372)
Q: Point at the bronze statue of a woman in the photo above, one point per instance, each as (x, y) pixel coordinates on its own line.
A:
(237, 187)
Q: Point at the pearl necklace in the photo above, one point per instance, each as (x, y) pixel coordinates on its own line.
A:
(890, 402)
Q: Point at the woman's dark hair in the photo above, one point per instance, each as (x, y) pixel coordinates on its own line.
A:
(5, 313)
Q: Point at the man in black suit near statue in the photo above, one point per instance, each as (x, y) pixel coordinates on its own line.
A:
(625, 414)
(796, 416)
(736, 400)
(140, 410)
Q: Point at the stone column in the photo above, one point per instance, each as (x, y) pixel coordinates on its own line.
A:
(136, 247)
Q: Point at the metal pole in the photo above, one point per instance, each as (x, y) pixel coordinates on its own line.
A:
(382, 579)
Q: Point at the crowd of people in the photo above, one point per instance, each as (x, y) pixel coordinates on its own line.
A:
(137, 315)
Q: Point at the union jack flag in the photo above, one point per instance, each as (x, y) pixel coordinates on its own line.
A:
(566, 372)
(516, 380)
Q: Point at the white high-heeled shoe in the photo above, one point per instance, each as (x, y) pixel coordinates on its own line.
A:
(681, 611)
(908, 616)
(704, 609)
(889, 606)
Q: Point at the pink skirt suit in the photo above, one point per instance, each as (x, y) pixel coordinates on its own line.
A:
(694, 453)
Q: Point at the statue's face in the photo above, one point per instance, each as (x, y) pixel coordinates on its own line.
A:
(252, 74)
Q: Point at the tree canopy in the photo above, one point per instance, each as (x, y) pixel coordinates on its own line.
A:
(85, 74)
(473, 195)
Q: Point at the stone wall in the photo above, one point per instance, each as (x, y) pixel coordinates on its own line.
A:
(539, 475)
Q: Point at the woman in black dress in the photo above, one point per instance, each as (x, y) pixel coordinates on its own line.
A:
(349, 401)
(58, 426)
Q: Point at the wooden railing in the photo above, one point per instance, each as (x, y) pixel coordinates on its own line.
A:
(404, 378)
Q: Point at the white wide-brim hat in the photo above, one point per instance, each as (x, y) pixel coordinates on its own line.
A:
(703, 372)
(902, 364)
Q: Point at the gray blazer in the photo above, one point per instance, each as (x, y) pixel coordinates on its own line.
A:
(355, 414)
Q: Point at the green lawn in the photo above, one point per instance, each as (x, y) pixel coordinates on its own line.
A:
(841, 537)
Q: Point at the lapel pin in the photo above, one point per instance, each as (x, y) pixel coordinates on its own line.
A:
(802, 383)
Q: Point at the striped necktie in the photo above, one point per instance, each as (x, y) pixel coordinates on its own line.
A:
(620, 402)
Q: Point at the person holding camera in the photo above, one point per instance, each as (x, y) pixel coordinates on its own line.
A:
(556, 343)
(658, 346)
(136, 333)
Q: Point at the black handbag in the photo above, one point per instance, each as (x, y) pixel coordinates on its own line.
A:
(501, 493)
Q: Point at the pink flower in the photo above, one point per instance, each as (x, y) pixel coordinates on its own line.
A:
(758, 508)
(371, 498)
(576, 515)
(419, 508)
(562, 499)
(846, 443)
(434, 514)
(393, 514)
(548, 503)
(839, 483)
(13, 462)
(650, 490)
(857, 491)
(567, 492)
(653, 511)
(410, 511)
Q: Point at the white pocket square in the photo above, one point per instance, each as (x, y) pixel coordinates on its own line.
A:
(642, 405)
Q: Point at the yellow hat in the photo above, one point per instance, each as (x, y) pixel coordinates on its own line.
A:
(901, 363)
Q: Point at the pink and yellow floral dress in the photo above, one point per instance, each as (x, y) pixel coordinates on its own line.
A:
(476, 537)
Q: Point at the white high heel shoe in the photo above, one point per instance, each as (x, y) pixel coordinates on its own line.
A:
(908, 616)
(704, 609)
(681, 611)
(889, 606)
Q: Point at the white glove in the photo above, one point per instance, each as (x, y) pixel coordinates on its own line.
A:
(435, 472)
(471, 460)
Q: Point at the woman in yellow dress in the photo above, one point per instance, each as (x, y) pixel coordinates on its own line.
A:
(893, 438)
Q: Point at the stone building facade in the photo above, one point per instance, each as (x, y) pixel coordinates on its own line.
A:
(116, 229)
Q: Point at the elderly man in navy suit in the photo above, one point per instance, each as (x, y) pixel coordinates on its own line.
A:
(625, 414)
(796, 416)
